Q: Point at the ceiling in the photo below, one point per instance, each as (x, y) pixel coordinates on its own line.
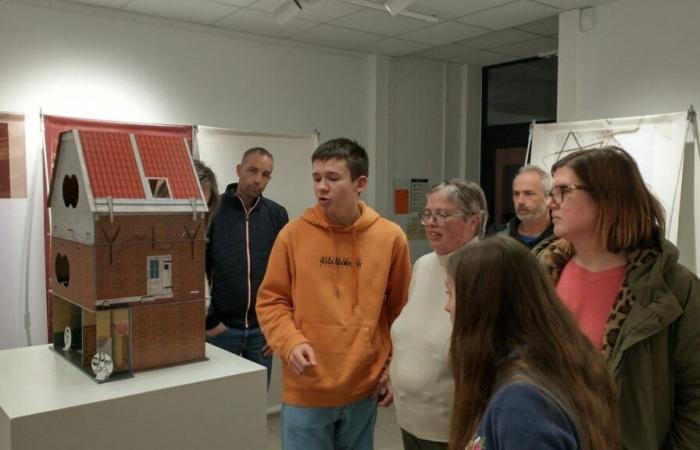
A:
(478, 32)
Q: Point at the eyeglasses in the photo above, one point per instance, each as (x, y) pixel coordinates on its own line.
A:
(439, 217)
(558, 192)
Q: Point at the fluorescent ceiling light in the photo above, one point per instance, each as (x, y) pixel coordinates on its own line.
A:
(396, 6)
(377, 6)
(287, 11)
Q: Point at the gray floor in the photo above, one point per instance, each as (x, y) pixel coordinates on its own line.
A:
(387, 435)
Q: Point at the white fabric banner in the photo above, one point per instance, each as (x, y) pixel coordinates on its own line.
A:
(22, 268)
(291, 184)
(656, 142)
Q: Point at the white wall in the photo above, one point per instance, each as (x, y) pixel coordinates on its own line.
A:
(434, 130)
(640, 57)
(631, 58)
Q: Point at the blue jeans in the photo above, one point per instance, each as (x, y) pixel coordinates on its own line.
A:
(347, 427)
(246, 342)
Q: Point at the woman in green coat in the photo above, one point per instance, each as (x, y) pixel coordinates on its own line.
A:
(620, 278)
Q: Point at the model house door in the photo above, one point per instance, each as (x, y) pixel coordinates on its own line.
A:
(160, 275)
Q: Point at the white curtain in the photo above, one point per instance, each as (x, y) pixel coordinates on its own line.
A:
(658, 144)
(291, 183)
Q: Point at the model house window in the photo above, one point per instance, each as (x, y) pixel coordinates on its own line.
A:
(70, 191)
(62, 269)
(159, 187)
(159, 275)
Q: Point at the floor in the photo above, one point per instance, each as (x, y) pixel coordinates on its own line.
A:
(387, 435)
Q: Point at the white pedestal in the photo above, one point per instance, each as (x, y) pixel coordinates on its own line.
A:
(46, 403)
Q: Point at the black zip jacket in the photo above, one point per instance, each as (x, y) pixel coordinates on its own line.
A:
(237, 252)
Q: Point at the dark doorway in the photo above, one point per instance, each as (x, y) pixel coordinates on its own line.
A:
(514, 95)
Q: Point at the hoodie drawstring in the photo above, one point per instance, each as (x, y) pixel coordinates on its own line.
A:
(355, 270)
(335, 264)
(353, 266)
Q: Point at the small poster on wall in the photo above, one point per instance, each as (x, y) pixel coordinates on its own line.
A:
(415, 229)
(13, 169)
(419, 193)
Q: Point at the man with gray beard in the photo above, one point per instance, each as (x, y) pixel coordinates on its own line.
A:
(531, 223)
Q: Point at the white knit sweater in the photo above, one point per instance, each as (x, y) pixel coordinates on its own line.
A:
(420, 378)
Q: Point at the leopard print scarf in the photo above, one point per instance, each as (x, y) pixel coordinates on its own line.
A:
(557, 254)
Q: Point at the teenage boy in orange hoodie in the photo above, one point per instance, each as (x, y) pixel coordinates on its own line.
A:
(336, 279)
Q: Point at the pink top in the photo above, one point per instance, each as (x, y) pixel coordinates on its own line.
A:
(590, 296)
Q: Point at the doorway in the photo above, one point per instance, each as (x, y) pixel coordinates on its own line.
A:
(513, 96)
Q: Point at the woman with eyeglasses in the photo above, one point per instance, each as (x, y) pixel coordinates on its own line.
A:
(421, 381)
(622, 281)
(525, 377)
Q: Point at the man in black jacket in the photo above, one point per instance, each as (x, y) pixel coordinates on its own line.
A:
(240, 239)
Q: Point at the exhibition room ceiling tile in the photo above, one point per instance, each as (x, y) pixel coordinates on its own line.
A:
(197, 11)
(510, 15)
(336, 37)
(393, 47)
(235, 2)
(544, 27)
(446, 51)
(507, 28)
(326, 10)
(450, 9)
(498, 38)
(530, 48)
(443, 33)
(380, 22)
(260, 23)
(483, 58)
(572, 4)
(116, 4)
(266, 5)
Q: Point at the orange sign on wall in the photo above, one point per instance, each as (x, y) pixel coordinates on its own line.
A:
(400, 201)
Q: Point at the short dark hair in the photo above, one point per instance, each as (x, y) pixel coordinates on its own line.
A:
(347, 150)
(257, 151)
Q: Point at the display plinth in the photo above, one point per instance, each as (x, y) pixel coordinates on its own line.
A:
(47, 403)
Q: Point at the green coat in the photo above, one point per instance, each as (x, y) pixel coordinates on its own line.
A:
(656, 357)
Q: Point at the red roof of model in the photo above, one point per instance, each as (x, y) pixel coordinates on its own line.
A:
(168, 157)
(113, 170)
(111, 165)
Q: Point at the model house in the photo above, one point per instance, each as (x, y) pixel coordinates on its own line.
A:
(127, 252)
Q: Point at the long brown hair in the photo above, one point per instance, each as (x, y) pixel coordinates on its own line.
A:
(628, 213)
(505, 302)
(207, 179)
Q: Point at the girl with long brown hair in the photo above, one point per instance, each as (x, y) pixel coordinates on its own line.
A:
(525, 376)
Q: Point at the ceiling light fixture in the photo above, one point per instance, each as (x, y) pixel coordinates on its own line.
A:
(380, 7)
(287, 11)
(396, 6)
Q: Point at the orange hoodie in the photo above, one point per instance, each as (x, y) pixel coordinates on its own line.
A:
(339, 289)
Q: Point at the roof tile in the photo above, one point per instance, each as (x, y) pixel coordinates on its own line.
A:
(111, 165)
(168, 157)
